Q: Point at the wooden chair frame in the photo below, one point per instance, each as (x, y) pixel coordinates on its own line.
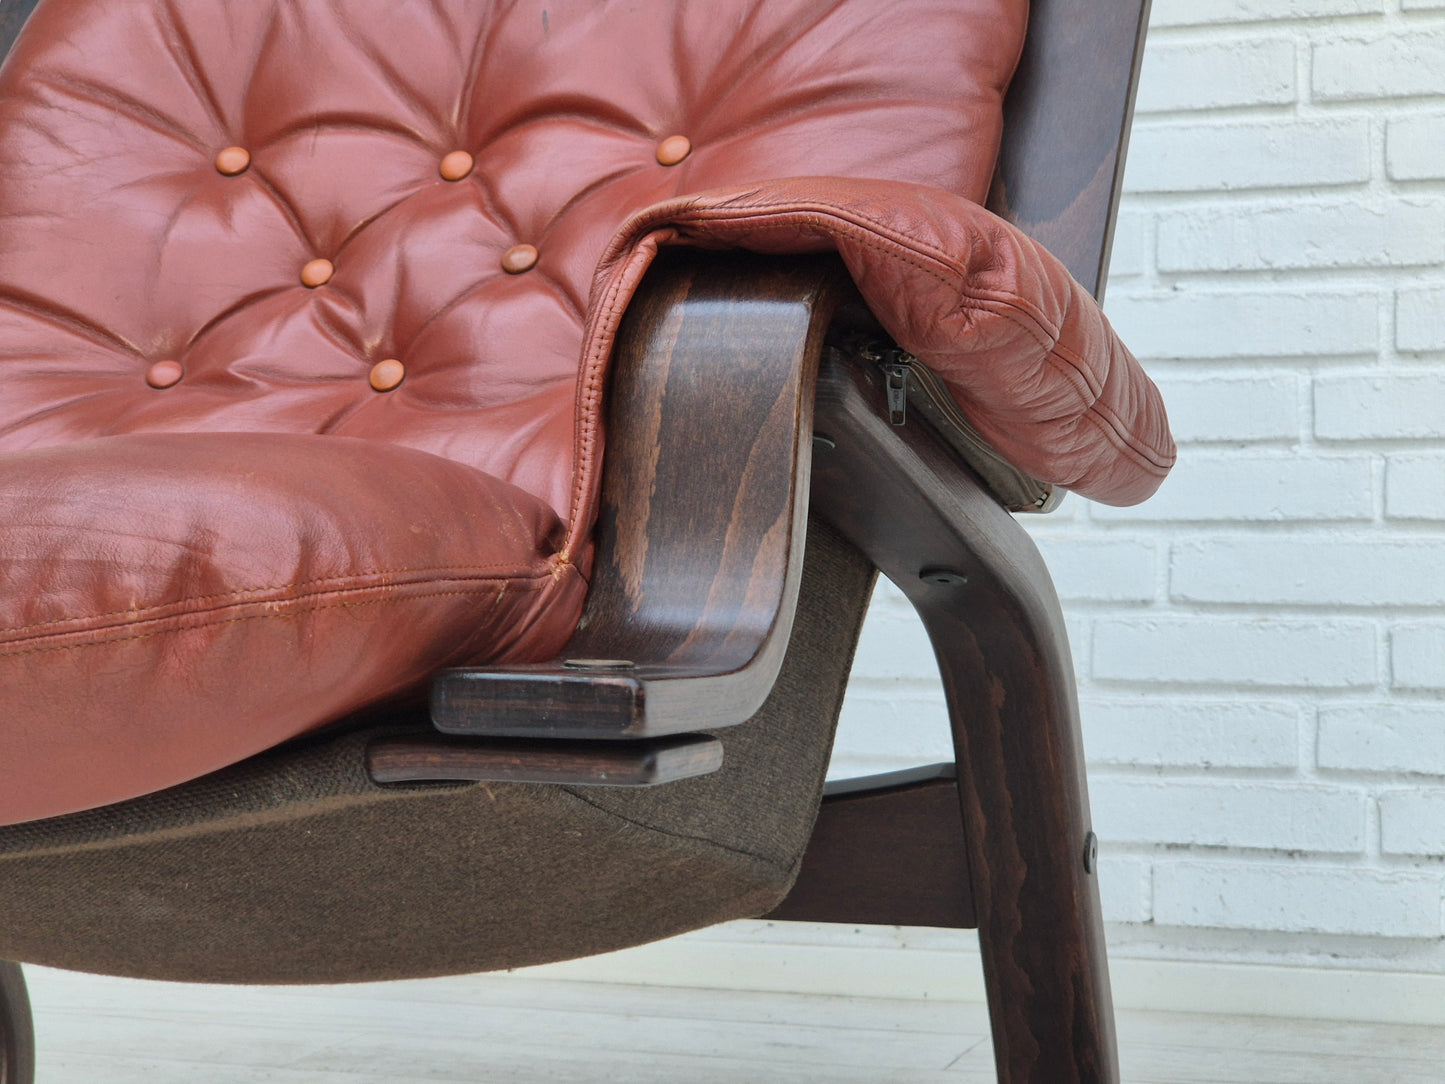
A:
(697, 576)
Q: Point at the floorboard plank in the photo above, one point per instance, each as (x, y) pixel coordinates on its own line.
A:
(521, 1029)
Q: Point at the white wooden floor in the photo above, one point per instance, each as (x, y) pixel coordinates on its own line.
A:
(505, 1028)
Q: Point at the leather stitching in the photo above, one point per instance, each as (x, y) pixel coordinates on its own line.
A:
(877, 236)
(239, 595)
(293, 611)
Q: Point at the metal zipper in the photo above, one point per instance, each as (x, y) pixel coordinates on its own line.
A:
(906, 378)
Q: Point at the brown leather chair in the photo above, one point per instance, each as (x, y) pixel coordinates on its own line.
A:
(309, 318)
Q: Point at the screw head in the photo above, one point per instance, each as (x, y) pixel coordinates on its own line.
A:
(1091, 852)
(943, 577)
(822, 443)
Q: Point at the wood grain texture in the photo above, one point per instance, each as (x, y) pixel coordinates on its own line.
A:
(17, 1037)
(1066, 129)
(892, 855)
(703, 512)
(901, 498)
(437, 758)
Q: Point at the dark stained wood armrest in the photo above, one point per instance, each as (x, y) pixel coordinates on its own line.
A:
(703, 513)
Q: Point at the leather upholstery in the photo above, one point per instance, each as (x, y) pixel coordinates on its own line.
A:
(1024, 349)
(287, 287)
(177, 599)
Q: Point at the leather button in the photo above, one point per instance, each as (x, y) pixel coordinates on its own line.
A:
(456, 165)
(519, 258)
(164, 373)
(233, 160)
(387, 374)
(317, 273)
(673, 150)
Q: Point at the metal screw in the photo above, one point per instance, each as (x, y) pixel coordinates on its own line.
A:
(600, 664)
(823, 443)
(943, 577)
(1091, 852)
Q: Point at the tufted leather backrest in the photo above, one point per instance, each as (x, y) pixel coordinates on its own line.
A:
(382, 220)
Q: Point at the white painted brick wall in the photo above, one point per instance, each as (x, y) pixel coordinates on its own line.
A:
(1412, 147)
(1396, 738)
(1238, 813)
(1415, 487)
(1167, 13)
(1380, 406)
(1261, 648)
(1386, 64)
(1420, 315)
(1224, 155)
(1242, 650)
(1417, 655)
(1231, 408)
(1245, 486)
(1412, 822)
(1310, 571)
(1231, 73)
(1298, 897)
(1260, 322)
(1337, 233)
(1171, 732)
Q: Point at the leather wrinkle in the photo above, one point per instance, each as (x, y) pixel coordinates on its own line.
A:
(392, 595)
(238, 595)
(1014, 308)
(183, 51)
(95, 94)
(390, 72)
(257, 176)
(757, 59)
(67, 319)
(240, 307)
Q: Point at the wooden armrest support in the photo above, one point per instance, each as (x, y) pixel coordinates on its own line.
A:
(437, 758)
(703, 514)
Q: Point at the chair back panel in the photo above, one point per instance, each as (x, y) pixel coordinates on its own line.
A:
(1066, 129)
(382, 221)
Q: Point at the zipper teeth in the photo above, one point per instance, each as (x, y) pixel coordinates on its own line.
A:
(894, 361)
(1036, 491)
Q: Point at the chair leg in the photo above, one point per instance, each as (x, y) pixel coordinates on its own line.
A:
(17, 1038)
(989, 606)
(1015, 731)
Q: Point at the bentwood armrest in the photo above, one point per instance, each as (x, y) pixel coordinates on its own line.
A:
(703, 514)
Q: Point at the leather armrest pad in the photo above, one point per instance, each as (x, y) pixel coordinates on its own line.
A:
(1024, 349)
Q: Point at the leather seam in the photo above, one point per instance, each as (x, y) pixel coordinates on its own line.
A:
(203, 618)
(1012, 308)
(240, 596)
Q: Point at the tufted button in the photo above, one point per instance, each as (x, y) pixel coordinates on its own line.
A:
(456, 165)
(673, 150)
(164, 373)
(233, 160)
(519, 258)
(387, 374)
(317, 273)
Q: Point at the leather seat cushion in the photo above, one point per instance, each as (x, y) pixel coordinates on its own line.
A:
(300, 576)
